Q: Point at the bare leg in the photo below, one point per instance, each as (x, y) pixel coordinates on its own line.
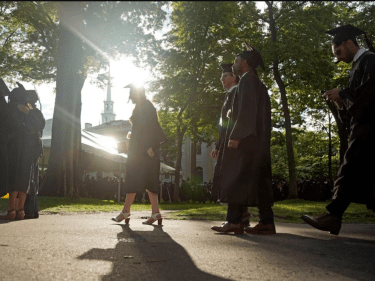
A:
(128, 202)
(11, 213)
(21, 200)
(12, 200)
(155, 209)
(154, 202)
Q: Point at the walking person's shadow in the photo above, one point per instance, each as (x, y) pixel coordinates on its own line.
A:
(148, 255)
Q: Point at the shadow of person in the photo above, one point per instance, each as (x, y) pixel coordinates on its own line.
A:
(148, 255)
(317, 252)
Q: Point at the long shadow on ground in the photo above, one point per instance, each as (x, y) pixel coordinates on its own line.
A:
(148, 255)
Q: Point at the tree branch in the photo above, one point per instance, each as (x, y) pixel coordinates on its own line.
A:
(297, 5)
(260, 17)
(8, 38)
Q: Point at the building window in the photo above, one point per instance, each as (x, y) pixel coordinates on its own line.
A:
(199, 148)
(106, 107)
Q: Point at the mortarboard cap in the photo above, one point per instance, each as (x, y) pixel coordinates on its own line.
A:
(343, 33)
(252, 55)
(227, 67)
(134, 90)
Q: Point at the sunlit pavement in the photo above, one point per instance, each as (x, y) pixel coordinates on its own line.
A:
(92, 247)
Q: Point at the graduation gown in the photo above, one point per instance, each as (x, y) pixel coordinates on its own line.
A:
(142, 171)
(6, 136)
(355, 180)
(246, 170)
(25, 150)
(223, 126)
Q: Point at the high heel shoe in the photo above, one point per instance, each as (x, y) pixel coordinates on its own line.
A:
(154, 218)
(121, 217)
(8, 215)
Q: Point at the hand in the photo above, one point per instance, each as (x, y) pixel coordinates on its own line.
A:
(23, 108)
(214, 153)
(150, 152)
(333, 95)
(233, 143)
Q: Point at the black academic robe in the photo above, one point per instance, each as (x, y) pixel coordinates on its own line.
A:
(246, 171)
(6, 136)
(25, 150)
(355, 180)
(142, 171)
(223, 126)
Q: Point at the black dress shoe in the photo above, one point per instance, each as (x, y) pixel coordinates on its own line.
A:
(262, 228)
(326, 222)
(229, 227)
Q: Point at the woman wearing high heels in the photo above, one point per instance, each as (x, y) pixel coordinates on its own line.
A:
(143, 164)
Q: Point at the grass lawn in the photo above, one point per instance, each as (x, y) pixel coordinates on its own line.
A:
(285, 211)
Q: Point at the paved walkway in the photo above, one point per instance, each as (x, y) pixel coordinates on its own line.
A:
(92, 247)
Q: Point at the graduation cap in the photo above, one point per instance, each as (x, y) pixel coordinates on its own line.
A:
(252, 55)
(22, 96)
(134, 91)
(345, 32)
(227, 67)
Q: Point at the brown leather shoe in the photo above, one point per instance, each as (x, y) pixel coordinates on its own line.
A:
(229, 227)
(245, 218)
(261, 228)
(326, 222)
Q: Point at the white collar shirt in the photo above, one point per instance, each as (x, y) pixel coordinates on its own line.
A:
(358, 54)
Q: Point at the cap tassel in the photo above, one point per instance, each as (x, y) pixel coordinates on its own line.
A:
(249, 47)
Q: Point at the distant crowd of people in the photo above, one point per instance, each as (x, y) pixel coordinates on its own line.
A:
(106, 188)
(315, 189)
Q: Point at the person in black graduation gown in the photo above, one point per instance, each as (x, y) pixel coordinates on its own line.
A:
(355, 181)
(143, 164)
(6, 136)
(246, 178)
(229, 81)
(24, 150)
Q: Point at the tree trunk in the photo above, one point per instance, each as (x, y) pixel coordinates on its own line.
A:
(180, 137)
(66, 128)
(193, 159)
(288, 127)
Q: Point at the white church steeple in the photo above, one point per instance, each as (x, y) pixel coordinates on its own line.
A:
(108, 115)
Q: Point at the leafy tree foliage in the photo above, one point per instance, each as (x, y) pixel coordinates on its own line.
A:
(63, 42)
